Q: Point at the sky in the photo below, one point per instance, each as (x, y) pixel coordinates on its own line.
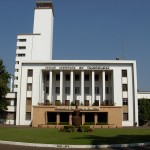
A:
(85, 30)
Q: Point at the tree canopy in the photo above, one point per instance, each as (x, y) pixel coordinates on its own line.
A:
(144, 111)
(4, 80)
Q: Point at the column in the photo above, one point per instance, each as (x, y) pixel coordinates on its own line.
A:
(83, 118)
(58, 118)
(61, 86)
(71, 86)
(42, 90)
(82, 87)
(46, 120)
(70, 118)
(50, 86)
(93, 87)
(103, 84)
(95, 118)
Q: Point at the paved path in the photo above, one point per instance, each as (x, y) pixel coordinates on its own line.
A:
(14, 147)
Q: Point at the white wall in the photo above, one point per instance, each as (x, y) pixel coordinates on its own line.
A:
(43, 24)
(143, 95)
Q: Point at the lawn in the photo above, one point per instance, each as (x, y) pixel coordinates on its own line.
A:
(53, 136)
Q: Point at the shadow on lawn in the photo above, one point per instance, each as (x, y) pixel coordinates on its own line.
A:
(121, 139)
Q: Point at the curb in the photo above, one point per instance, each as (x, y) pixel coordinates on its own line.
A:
(74, 146)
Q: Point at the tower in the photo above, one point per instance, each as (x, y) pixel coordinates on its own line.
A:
(34, 47)
(43, 25)
(38, 45)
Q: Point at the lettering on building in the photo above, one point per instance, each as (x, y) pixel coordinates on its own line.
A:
(77, 67)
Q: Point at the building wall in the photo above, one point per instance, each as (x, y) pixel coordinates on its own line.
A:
(143, 95)
(43, 25)
(38, 92)
(40, 115)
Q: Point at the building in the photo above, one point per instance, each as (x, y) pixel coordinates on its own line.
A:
(48, 90)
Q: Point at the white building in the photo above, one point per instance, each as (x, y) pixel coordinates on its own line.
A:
(106, 91)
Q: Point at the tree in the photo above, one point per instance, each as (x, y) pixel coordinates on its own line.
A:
(144, 111)
(4, 80)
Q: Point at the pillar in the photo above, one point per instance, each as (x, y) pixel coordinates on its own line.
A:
(61, 86)
(82, 87)
(71, 86)
(83, 118)
(70, 118)
(58, 118)
(50, 86)
(103, 84)
(95, 118)
(93, 87)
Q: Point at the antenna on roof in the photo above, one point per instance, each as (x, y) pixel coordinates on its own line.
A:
(122, 43)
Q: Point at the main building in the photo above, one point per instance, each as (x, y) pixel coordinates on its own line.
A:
(47, 90)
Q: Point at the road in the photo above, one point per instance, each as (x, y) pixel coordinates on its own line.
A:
(13, 147)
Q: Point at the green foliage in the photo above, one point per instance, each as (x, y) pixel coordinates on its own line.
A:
(64, 123)
(84, 128)
(73, 104)
(57, 103)
(107, 103)
(69, 128)
(144, 111)
(101, 123)
(4, 80)
(89, 123)
(51, 123)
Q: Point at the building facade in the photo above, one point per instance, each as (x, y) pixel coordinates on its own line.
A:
(48, 90)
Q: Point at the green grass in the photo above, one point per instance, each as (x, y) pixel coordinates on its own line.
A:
(53, 136)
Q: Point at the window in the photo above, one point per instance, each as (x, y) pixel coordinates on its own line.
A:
(29, 101)
(47, 90)
(16, 70)
(10, 116)
(77, 90)
(125, 101)
(96, 77)
(77, 77)
(57, 90)
(96, 90)
(21, 55)
(29, 87)
(107, 90)
(124, 73)
(15, 86)
(17, 62)
(86, 77)
(30, 73)
(21, 47)
(22, 40)
(47, 77)
(28, 115)
(125, 116)
(106, 77)
(86, 90)
(124, 87)
(16, 78)
(57, 77)
(67, 90)
(67, 77)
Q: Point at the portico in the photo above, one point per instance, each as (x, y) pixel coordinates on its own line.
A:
(85, 86)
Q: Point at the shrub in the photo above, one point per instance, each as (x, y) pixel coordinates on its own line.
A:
(89, 123)
(64, 123)
(57, 103)
(85, 128)
(52, 123)
(67, 129)
(101, 123)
